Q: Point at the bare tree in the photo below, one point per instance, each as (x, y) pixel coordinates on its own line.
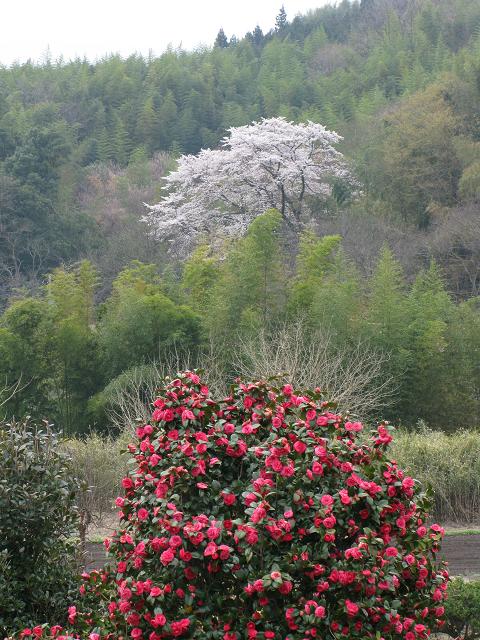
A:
(8, 391)
(130, 396)
(353, 377)
(455, 243)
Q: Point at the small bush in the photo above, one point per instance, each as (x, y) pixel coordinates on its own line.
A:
(462, 609)
(37, 517)
(264, 516)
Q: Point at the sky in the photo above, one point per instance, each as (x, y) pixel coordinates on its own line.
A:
(94, 28)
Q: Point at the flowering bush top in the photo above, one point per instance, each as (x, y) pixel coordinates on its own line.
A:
(263, 516)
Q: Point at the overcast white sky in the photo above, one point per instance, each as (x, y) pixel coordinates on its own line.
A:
(98, 27)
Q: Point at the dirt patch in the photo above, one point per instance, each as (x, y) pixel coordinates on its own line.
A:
(462, 554)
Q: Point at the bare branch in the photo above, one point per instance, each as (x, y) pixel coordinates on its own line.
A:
(353, 377)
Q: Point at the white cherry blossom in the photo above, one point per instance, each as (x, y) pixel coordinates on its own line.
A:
(271, 163)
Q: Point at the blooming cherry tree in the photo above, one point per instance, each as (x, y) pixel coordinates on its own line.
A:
(267, 164)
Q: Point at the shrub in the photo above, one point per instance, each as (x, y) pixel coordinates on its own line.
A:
(462, 609)
(37, 516)
(262, 516)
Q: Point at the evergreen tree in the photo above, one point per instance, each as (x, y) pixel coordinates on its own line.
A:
(281, 20)
(221, 41)
(257, 37)
(314, 260)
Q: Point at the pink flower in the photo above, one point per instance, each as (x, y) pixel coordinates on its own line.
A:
(258, 514)
(353, 426)
(228, 498)
(178, 628)
(175, 541)
(210, 549)
(391, 552)
(159, 620)
(317, 468)
(300, 447)
(154, 460)
(248, 402)
(326, 500)
(285, 587)
(166, 557)
(142, 514)
(320, 612)
(351, 607)
(136, 632)
(213, 532)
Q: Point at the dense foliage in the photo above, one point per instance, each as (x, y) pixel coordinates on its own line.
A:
(83, 145)
(37, 520)
(264, 515)
(463, 609)
(67, 352)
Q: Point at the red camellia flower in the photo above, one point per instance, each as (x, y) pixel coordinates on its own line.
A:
(262, 516)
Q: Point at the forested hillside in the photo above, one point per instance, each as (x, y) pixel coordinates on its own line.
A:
(84, 145)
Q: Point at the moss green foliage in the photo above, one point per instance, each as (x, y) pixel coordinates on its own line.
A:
(62, 348)
(37, 519)
(412, 68)
(462, 609)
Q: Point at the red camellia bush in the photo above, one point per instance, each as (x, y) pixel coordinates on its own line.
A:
(265, 515)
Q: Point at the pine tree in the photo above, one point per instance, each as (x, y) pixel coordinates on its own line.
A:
(257, 37)
(105, 148)
(121, 142)
(281, 20)
(221, 41)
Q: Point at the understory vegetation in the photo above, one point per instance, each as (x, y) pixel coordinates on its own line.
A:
(379, 346)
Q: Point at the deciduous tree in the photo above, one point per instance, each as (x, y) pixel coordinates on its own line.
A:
(268, 164)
